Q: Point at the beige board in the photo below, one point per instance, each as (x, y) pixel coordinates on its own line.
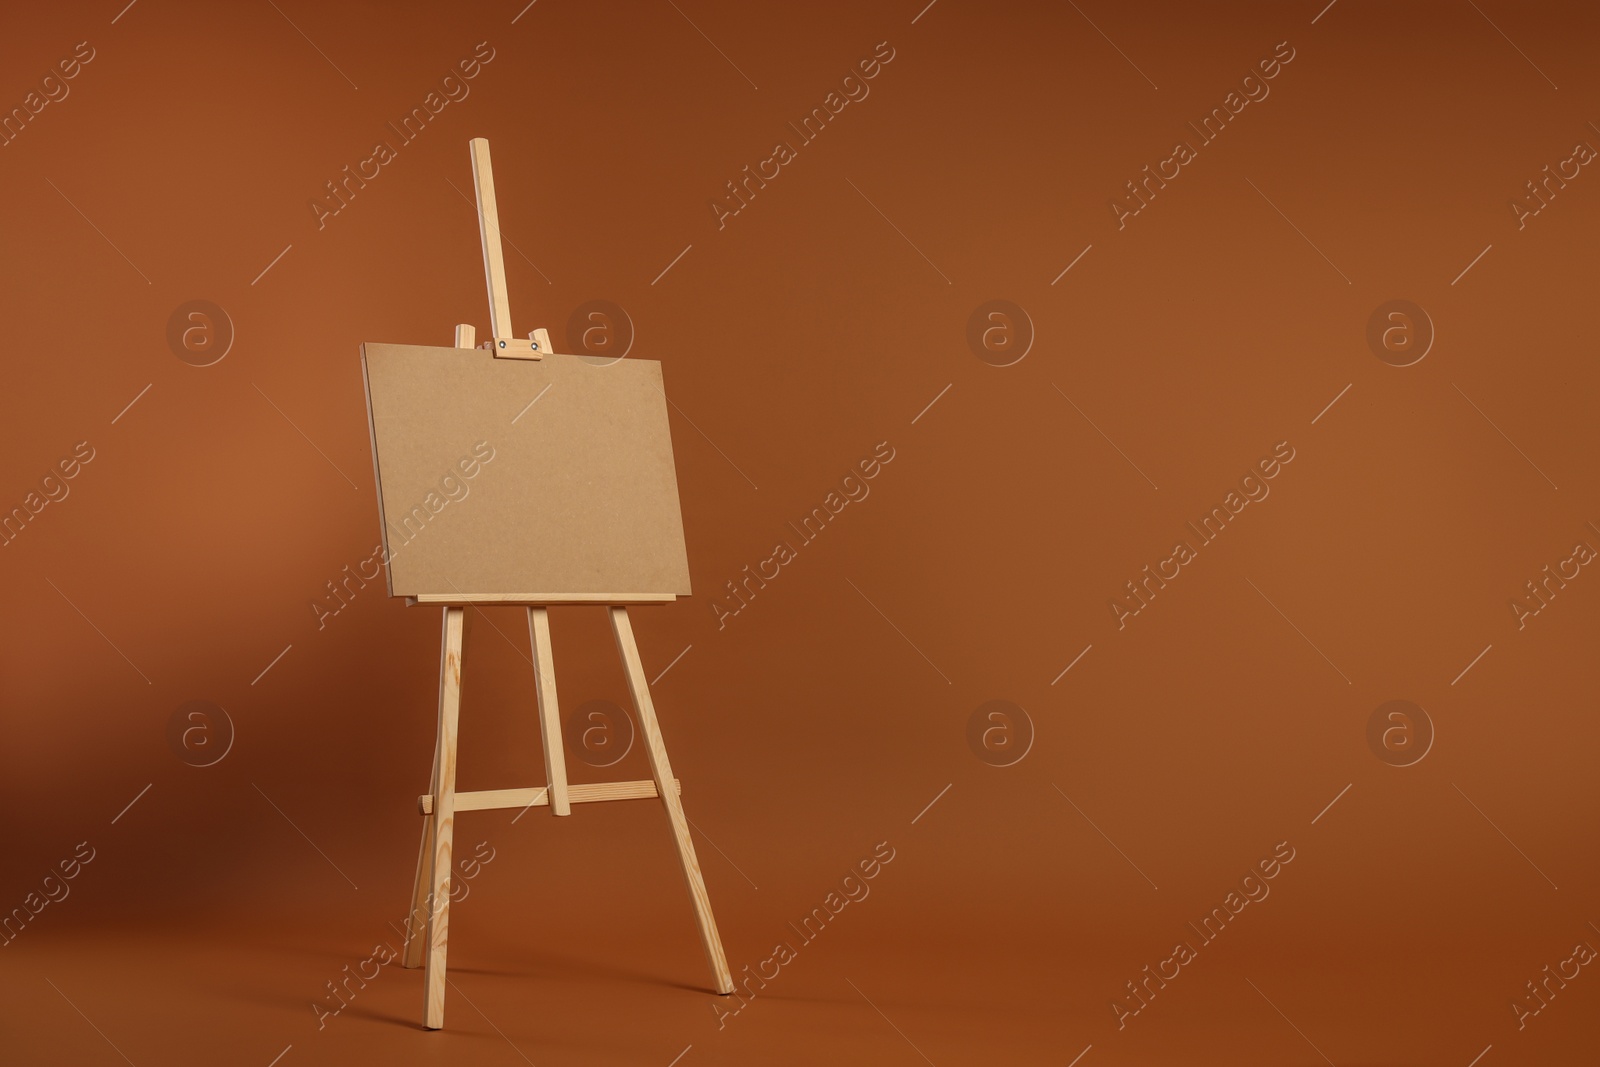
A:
(532, 481)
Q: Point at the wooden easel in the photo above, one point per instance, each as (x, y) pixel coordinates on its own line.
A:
(431, 889)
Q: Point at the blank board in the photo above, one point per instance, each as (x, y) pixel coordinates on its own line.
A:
(523, 481)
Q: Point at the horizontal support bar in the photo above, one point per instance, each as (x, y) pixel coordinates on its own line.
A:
(534, 600)
(489, 799)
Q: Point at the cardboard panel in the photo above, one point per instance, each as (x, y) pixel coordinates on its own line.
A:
(537, 480)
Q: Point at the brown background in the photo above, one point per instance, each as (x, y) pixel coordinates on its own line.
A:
(808, 729)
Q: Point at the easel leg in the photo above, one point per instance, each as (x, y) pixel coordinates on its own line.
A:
(416, 929)
(661, 770)
(544, 682)
(443, 817)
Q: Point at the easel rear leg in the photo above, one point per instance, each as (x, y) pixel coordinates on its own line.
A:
(661, 770)
(443, 817)
(416, 928)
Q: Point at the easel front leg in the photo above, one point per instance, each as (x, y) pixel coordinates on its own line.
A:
(544, 684)
(661, 770)
(443, 817)
(417, 919)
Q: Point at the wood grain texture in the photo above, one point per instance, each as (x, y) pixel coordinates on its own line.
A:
(494, 262)
(544, 687)
(443, 817)
(538, 796)
(661, 770)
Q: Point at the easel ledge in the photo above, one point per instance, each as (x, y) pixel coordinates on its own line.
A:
(539, 600)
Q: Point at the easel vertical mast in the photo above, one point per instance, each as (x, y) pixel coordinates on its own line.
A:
(494, 260)
(494, 270)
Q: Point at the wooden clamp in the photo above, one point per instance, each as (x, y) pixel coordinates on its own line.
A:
(537, 344)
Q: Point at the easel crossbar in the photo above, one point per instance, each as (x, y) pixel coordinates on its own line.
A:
(490, 799)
